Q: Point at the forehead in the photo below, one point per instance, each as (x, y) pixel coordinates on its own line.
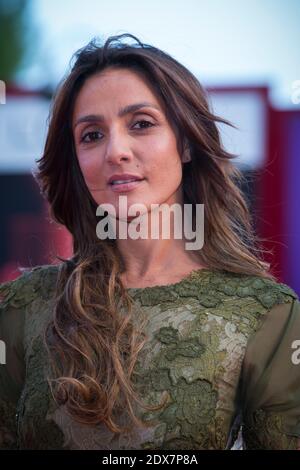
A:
(114, 87)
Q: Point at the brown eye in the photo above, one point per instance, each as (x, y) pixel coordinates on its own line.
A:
(145, 122)
(91, 136)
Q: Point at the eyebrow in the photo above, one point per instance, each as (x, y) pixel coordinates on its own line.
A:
(122, 112)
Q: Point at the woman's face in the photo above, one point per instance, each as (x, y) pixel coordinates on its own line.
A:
(119, 128)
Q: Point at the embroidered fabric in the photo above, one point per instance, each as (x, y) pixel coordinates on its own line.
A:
(207, 351)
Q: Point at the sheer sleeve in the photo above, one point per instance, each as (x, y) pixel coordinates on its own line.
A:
(12, 364)
(270, 397)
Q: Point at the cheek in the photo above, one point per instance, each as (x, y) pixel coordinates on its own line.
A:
(90, 166)
(165, 167)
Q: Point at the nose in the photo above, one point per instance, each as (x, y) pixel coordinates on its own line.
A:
(117, 149)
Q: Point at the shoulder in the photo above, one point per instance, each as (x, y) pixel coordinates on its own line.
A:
(212, 288)
(267, 291)
(39, 281)
(225, 285)
(25, 306)
(239, 298)
(246, 298)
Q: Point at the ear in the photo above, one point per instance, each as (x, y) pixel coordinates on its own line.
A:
(186, 155)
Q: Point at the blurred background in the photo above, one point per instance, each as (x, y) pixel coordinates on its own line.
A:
(247, 55)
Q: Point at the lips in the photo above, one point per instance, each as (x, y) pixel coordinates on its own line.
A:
(123, 178)
(123, 181)
(126, 186)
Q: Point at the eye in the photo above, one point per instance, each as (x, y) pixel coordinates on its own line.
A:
(145, 122)
(92, 136)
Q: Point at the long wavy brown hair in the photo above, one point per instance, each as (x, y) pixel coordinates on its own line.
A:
(92, 340)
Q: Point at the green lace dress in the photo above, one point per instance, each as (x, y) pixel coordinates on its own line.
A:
(221, 346)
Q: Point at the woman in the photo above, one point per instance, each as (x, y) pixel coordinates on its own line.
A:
(140, 343)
